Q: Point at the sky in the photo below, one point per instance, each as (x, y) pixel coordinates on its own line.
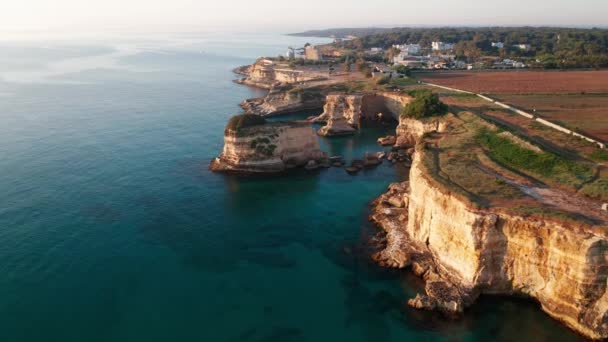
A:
(289, 16)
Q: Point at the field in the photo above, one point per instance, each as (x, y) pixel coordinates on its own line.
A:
(522, 82)
(584, 113)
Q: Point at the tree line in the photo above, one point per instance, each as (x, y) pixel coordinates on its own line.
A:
(550, 47)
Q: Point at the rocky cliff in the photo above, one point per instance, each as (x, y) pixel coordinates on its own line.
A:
(285, 100)
(267, 74)
(343, 114)
(410, 131)
(463, 251)
(268, 148)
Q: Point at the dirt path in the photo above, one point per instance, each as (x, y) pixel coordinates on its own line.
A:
(556, 198)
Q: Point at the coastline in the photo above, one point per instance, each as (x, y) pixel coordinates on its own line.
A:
(393, 212)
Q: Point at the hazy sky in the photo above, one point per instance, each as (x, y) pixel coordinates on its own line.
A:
(16, 15)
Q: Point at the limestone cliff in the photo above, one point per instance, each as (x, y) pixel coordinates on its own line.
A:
(267, 74)
(343, 114)
(463, 250)
(284, 100)
(268, 148)
(410, 131)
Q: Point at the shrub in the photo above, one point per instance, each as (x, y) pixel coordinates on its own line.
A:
(402, 69)
(383, 80)
(425, 104)
(545, 164)
(239, 122)
(600, 155)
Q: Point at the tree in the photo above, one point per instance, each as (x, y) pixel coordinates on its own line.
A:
(425, 104)
(392, 53)
(238, 122)
(402, 69)
(347, 64)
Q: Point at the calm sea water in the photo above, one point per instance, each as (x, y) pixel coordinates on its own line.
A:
(112, 229)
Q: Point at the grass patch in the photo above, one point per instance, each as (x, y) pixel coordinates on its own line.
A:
(548, 166)
(403, 82)
(600, 155)
(464, 96)
(544, 212)
(597, 190)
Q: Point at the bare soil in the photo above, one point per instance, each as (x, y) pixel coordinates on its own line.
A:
(522, 82)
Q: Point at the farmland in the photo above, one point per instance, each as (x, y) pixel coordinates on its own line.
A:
(585, 113)
(522, 82)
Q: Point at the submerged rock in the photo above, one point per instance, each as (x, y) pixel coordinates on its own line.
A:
(311, 165)
(352, 170)
(372, 161)
(389, 140)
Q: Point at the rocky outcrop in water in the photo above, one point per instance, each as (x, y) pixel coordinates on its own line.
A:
(284, 100)
(344, 113)
(341, 114)
(269, 148)
(462, 251)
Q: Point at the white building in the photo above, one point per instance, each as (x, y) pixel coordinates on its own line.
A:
(498, 45)
(524, 47)
(441, 46)
(291, 53)
(375, 50)
(408, 49)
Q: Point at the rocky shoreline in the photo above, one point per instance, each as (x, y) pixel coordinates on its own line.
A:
(460, 250)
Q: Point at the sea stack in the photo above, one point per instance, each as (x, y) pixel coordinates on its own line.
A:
(253, 145)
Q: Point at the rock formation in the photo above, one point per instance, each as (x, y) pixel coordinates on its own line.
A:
(344, 113)
(284, 100)
(268, 148)
(410, 131)
(462, 250)
(341, 113)
(267, 74)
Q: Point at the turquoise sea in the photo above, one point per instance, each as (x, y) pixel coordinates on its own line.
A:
(113, 229)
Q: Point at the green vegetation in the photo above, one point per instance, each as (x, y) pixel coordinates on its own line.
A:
(600, 155)
(553, 47)
(239, 122)
(548, 166)
(425, 104)
(402, 69)
(403, 82)
(383, 80)
(597, 190)
(454, 163)
(464, 96)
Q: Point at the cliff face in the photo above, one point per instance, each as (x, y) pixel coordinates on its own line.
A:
(344, 113)
(268, 74)
(463, 252)
(268, 148)
(410, 131)
(281, 101)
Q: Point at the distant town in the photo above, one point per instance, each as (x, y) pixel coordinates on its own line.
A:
(464, 48)
(439, 55)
